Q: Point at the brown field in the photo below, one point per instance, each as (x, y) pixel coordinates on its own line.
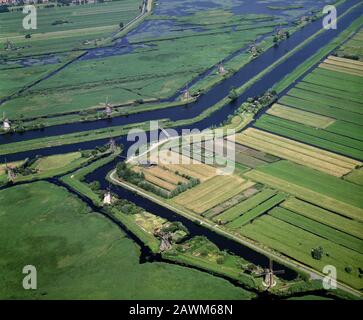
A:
(212, 193)
(300, 116)
(161, 177)
(297, 152)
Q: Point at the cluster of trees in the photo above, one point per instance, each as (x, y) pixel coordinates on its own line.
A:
(126, 173)
(25, 168)
(173, 227)
(182, 187)
(280, 36)
(317, 253)
(127, 207)
(253, 105)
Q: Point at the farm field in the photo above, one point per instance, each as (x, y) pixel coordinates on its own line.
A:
(297, 152)
(297, 243)
(329, 218)
(318, 228)
(257, 211)
(244, 206)
(71, 24)
(86, 266)
(222, 188)
(332, 93)
(353, 48)
(313, 186)
(300, 116)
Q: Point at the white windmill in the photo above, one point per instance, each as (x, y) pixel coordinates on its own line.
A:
(6, 123)
(108, 107)
(186, 94)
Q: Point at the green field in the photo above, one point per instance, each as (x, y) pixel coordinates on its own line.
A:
(326, 217)
(298, 243)
(80, 255)
(313, 186)
(318, 228)
(216, 32)
(341, 144)
(257, 211)
(244, 206)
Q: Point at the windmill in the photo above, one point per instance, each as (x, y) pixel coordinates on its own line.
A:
(107, 198)
(10, 171)
(221, 70)
(108, 107)
(186, 94)
(6, 123)
(269, 275)
(112, 145)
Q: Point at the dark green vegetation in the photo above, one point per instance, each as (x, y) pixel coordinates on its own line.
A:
(353, 49)
(99, 262)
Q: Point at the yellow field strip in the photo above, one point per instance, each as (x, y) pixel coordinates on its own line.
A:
(341, 69)
(297, 152)
(355, 62)
(344, 64)
(300, 116)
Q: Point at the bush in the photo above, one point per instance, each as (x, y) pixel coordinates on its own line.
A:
(348, 269)
(317, 253)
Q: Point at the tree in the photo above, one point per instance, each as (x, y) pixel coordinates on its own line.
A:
(95, 185)
(348, 269)
(233, 94)
(121, 25)
(317, 253)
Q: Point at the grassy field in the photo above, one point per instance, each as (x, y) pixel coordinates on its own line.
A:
(202, 253)
(356, 176)
(318, 228)
(222, 188)
(80, 255)
(353, 48)
(257, 211)
(297, 243)
(313, 186)
(297, 152)
(70, 24)
(244, 206)
(329, 218)
(324, 139)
